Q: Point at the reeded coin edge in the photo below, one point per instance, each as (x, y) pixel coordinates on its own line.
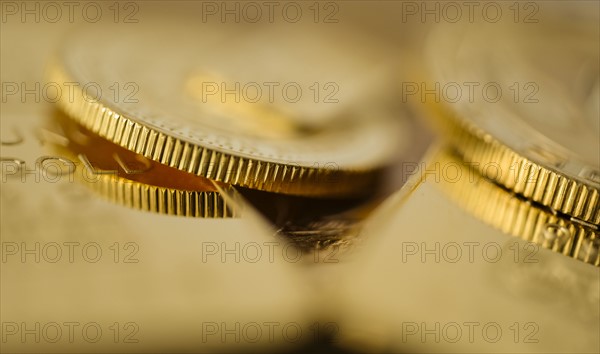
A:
(521, 218)
(202, 161)
(527, 178)
(161, 200)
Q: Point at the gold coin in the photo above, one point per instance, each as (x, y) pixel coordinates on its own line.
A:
(134, 181)
(522, 106)
(284, 120)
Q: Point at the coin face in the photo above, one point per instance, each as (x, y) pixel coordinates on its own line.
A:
(255, 119)
(531, 97)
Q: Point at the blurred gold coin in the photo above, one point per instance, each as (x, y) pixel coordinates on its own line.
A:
(526, 113)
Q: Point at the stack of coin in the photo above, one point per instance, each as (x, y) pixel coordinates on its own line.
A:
(174, 117)
(202, 119)
(197, 108)
(527, 124)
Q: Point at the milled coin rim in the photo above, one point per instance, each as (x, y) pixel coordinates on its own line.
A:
(519, 174)
(161, 200)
